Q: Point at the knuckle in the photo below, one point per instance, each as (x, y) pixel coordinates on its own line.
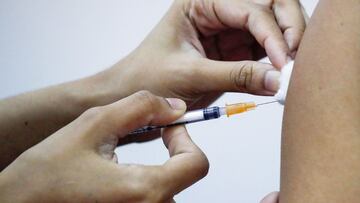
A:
(264, 11)
(280, 3)
(92, 113)
(242, 75)
(147, 98)
(204, 166)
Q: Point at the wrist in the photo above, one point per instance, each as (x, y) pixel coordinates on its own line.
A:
(100, 89)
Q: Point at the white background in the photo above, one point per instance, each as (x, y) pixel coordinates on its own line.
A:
(47, 42)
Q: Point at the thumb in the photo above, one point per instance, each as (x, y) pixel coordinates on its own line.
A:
(138, 110)
(243, 76)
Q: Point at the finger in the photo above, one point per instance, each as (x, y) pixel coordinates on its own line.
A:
(244, 76)
(261, 23)
(187, 163)
(140, 138)
(126, 115)
(291, 20)
(263, 26)
(271, 198)
(211, 16)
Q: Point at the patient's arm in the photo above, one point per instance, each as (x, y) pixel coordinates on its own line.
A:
(321, 133)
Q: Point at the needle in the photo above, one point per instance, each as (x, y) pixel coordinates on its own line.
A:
(266, 103)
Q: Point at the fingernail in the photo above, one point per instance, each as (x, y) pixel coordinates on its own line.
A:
(272, 82)
(290, 44)
(289, 40)
(176, 104)
(288, 59)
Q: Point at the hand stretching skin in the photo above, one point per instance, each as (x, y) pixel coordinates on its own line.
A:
(203, 48)
(78, 163)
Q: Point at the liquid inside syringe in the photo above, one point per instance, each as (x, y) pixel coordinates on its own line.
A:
(206, 114)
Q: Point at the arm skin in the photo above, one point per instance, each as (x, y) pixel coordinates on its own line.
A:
(321, 133)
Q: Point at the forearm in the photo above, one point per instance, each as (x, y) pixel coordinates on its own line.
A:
(321, 128)
(28, 118)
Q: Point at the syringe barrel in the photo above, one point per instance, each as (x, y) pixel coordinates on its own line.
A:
(189, 117)
(199, 115)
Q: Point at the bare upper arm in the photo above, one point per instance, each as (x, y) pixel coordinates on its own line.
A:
(321, 128)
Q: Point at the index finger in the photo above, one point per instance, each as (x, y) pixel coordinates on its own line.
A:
(260, 21)
(187, 163)
(263, 26)
(290, 17)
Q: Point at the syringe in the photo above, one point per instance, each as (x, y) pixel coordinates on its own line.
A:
(205, 114)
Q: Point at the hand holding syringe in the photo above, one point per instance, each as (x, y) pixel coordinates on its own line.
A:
(206, 114)
(216, 112)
